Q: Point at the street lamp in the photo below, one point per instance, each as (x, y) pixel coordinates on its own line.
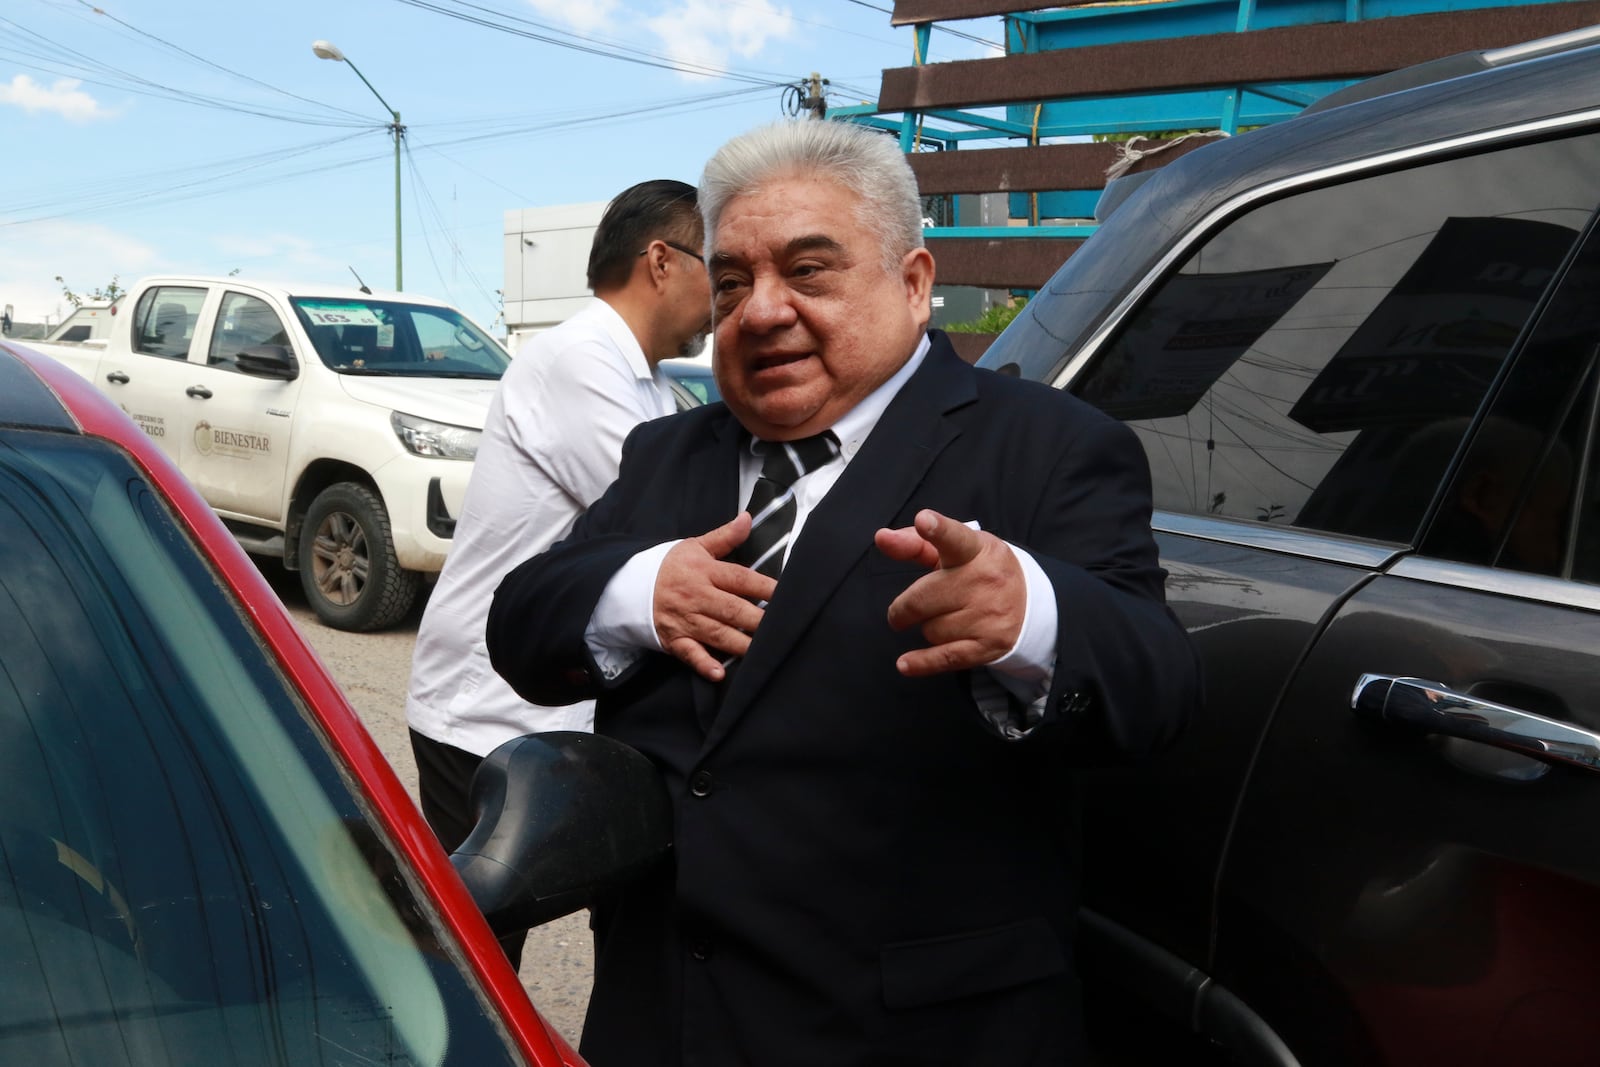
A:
(328, 50)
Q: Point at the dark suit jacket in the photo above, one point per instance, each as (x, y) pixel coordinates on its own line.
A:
(864, 871)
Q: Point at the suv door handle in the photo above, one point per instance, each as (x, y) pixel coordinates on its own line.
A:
(117, 377)
(1436, 709)
(198, 390)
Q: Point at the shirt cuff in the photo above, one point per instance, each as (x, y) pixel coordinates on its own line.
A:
(1032, 658)
(1011, 691)
(623, 627)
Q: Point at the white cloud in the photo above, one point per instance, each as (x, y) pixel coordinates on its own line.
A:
(585, 16)
(705, 33)
(62, 97)
(714, 32)
(282, 256)
(86, 255)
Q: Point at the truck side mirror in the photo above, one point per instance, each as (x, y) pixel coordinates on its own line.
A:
(268, 361)
(561, 816)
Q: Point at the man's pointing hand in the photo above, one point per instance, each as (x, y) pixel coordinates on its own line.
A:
(972, 604)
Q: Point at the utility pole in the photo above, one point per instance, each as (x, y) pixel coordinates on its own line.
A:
(816, 103)
(328, 50)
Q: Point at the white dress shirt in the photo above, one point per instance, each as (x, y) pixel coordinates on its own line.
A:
(551, 446)
(623, 622)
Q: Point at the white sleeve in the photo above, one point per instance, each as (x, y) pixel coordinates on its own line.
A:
(623, 624)
(586, 401)
(1011, 691)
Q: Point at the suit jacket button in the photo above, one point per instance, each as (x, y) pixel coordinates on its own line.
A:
(701, 783)
(700, 948)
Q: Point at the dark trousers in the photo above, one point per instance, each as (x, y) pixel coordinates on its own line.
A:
(444, 774)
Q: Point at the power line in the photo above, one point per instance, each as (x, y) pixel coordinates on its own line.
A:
(942, 29)
(208, 179)
(421, 194)
(83, 67)
(162, 191)
(502, 124)
(578, 42)
(214, 66)
(626, 114)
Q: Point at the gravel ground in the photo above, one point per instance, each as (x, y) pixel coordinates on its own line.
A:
(372, 669)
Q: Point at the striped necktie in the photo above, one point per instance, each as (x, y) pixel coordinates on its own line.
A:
(772, 505)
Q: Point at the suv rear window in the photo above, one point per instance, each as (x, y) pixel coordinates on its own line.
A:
(1278, 372)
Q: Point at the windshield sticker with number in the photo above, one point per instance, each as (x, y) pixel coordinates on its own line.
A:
(340, 315)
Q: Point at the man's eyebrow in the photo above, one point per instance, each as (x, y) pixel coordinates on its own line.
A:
(813, 242)
(816, 242)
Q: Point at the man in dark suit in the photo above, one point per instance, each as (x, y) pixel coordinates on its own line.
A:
(870, 756)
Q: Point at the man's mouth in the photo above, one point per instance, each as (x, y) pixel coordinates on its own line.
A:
(777, 359)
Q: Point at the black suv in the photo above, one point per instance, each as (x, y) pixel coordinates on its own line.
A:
(1361, 349)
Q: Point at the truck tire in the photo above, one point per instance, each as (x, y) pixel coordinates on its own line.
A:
(348, 567)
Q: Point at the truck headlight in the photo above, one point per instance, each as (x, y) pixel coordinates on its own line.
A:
(436, 440)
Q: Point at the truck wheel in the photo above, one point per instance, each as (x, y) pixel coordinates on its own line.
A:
(347, 563)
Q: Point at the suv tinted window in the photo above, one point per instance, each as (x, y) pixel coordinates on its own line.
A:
(1509, 503)
(1277, 374)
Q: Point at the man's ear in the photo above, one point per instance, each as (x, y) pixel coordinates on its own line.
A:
(655, 263)
(916, 270)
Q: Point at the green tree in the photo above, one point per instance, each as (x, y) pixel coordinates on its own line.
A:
(109, 292)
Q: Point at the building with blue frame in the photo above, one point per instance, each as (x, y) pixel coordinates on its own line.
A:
(1092, 89)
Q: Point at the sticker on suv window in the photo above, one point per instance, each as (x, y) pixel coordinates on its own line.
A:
(340, 314)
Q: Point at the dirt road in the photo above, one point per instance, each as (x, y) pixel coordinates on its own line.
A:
(372, 669)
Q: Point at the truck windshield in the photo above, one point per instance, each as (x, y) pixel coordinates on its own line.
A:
(356, 336)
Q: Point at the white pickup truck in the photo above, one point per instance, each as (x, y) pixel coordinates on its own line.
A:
(89, 322)
(334, 428)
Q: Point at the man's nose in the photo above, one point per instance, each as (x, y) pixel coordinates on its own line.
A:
(768, 307)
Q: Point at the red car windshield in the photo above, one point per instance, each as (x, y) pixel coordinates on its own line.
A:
(185, 875)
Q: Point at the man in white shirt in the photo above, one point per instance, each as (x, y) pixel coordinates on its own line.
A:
(550, 448)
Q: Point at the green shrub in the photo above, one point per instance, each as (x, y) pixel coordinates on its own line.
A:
(993, 320)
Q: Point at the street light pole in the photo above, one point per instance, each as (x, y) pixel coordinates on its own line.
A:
(328, 50)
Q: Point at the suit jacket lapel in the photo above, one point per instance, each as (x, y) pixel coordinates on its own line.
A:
(711, 498)
(875, 485)
(711, 490)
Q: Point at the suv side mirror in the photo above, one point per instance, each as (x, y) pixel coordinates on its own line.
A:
(268, 361)
(561, 816)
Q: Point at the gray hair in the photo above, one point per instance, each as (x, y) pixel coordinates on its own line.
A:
(864, 161)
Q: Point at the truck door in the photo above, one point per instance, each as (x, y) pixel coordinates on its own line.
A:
(147, 378)
(236, 448)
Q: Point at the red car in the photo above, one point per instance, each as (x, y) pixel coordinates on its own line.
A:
(204, 859)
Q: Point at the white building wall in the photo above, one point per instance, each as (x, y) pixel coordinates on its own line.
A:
(546, 261)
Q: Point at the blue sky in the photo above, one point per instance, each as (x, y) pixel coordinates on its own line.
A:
(204, 136)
